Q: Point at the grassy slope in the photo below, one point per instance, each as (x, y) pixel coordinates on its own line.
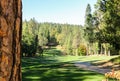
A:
(112, 62)
(115, 60)
(58, 68)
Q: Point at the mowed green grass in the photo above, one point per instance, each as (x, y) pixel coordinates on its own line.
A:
(55, 67)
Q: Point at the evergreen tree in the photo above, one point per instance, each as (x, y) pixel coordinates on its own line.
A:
(108, 23)
(89, 34)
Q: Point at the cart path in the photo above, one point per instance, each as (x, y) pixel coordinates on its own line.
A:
(89, 66)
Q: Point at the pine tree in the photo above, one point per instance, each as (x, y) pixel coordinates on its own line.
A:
(89, 28)
(10, 47)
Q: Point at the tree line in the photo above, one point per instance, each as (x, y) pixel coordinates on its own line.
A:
(69, 37)
(99, 35)
(102, 28)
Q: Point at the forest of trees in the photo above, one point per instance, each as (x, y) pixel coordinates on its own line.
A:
(99, 35)
(69, 37)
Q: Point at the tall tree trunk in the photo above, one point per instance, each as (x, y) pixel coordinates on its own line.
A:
(10, 46)
(101, 48)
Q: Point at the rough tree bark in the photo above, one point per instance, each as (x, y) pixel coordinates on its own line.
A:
(10, 38)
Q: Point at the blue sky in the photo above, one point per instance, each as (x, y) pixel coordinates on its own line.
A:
(57, 11)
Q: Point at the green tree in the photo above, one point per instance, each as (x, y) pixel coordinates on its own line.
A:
(89, 29)
(42, 34)
(108, 23)
(30, 37)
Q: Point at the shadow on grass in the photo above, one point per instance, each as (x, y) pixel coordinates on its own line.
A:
(52, 52)
(43, 69)
(116, 60)
(54, 67)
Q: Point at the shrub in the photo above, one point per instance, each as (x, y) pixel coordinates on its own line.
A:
(115, 75)
(82, 50)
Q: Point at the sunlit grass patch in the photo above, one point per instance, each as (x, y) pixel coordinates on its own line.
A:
(58, 68)
(36, 70)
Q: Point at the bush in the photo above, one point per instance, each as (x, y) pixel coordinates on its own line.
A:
(115, 75)
(82, 50)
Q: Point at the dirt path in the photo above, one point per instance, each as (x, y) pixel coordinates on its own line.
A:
(89, 66)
